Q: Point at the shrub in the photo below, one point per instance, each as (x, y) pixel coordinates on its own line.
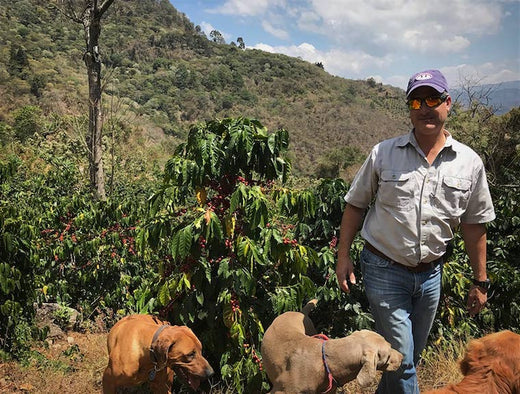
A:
(27, 122)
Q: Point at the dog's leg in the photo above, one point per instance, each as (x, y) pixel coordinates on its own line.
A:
(309, 307)
(162, 382)
(108, 382)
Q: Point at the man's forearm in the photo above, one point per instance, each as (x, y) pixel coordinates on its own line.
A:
(350, 224)
(474, 236)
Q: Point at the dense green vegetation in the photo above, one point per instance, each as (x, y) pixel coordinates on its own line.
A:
(207, 224)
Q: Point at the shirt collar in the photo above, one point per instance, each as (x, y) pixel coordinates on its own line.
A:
(410, 139)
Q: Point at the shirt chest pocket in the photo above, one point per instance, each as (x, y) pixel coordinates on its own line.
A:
(452, 196)
(396, 189)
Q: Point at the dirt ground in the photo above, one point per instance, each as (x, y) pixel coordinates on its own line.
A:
(71, 365)
(75, 365)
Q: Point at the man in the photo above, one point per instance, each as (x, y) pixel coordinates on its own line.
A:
(418, 189)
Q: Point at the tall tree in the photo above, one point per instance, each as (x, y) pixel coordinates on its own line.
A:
(217, 37)
(241, 43)
(89, 13)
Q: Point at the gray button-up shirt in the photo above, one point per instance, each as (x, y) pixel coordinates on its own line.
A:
(415, 206)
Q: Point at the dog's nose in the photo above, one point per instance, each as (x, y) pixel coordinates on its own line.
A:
(209, 371)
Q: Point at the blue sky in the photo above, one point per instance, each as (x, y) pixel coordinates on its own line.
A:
(389, 40)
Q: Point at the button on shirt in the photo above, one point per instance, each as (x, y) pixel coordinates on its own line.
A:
(415, 206)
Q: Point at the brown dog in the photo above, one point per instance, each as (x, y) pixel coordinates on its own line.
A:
(491, 366)
(295, 362)
(143, 348)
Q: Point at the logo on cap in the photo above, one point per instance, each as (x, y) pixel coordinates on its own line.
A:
(423, 77)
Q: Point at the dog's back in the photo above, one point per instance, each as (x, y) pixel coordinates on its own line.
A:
(140, 325)
(288, 328)
(289, 324)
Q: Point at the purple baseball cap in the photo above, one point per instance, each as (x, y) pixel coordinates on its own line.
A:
(433, 78)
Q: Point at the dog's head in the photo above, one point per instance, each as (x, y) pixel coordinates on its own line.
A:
(493, 360)
(377, 355)
(502, 346)
(181, 350)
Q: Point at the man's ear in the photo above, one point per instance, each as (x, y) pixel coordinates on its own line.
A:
(448, 102)
(367, 373)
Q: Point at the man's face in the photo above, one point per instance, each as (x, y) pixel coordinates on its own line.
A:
(429, 120)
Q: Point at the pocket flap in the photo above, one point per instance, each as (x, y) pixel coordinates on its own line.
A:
(457, 183)
(394, 176)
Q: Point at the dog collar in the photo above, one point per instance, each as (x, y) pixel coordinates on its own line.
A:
(331, 379)
(153, 356)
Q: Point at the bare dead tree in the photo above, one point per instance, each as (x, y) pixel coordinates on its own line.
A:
(476, 97)
(89, 14)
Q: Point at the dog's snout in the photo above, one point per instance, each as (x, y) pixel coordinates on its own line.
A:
(395, 360)
(209, 371)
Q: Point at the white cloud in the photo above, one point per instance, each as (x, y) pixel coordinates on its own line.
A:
(335, 61)
(384, 26)
(305, 51)
(246, 8)
(400, 81)
(421, 25)
(426, 43)
(207, 28)
(352, 62)
(282, 34)
(485, 73)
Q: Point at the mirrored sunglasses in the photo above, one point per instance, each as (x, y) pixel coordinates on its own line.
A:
(431, 102)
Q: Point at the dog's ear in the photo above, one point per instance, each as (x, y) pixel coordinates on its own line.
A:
(161, 349)
(472, 359)
(516, 386)
(367, 373)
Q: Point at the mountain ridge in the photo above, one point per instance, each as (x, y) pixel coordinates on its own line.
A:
(161, 74)
(502, 97)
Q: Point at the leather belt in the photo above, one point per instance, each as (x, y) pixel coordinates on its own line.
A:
(421, 267)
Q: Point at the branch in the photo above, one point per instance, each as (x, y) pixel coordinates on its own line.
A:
(104, 6)
(69, 11)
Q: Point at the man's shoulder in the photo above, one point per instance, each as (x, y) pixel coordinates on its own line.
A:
(464, 149)
(394, 142)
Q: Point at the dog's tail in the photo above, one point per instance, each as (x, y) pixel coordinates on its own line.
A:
(311, 305)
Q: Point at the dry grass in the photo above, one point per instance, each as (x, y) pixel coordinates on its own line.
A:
(74, 367)
(77, 367)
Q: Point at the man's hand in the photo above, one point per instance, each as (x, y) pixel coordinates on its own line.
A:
(476, 300)
(344, 271)
(350, 223)
(474, 236)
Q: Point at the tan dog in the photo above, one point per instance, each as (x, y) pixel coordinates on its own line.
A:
(143, 348)
(491, 366)
(294, 361)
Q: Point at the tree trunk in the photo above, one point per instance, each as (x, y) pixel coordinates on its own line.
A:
(91, 20)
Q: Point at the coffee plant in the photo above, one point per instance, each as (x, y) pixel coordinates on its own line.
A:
(58, 245)
(239, 246)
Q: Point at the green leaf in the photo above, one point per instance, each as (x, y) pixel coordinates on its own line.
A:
(200, 298)
(223, 269)
(185, 241)
(164, 294)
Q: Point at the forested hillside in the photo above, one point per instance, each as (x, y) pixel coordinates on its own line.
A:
(162, 74)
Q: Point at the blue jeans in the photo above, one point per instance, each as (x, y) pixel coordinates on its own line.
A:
(403, 305)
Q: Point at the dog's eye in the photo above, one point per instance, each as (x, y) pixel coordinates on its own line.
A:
(190, 356)
(383, 356)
